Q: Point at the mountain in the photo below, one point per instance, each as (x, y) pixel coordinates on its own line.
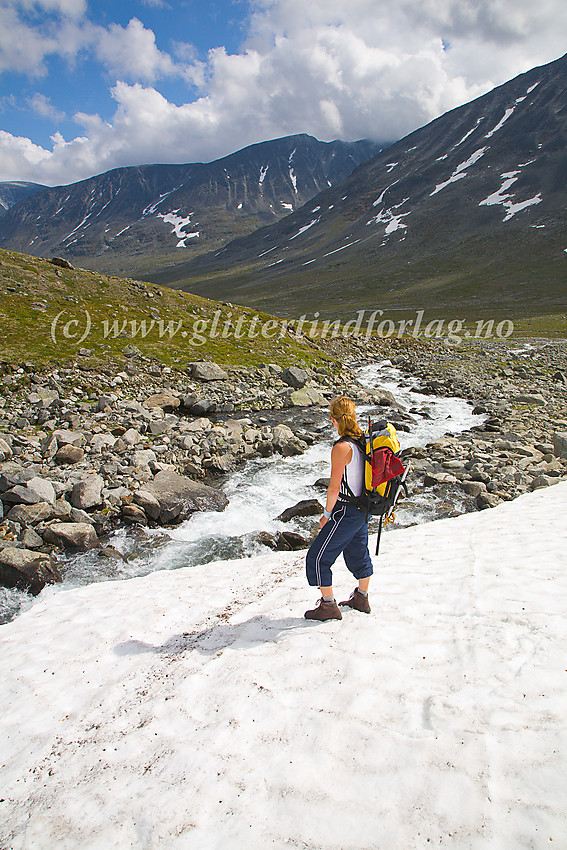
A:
(465, 213)
(145, 216)
(11, 192)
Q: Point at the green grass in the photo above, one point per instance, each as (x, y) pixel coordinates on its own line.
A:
(49, 315)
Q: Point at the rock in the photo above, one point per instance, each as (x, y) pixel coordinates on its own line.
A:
(49, 447)
(134, 514)
(163, 400)
(111, 553)
(473, 488)
(5, 450)
(203, 406)
(536, 399)
(144, 457)
(179, 496)
(294, 377)
(431, 479)
(131, 437)
(148, 503)
(20, 495)
(162, 426)
(65, 437)
(98, 442)
(487, 500)
(77, 535)
(26, 570)
(541, 481)
(30, 539)
(77, 515)
(87, 493)
(204, 370)
(560, 378)
(307, 507)
(290, 540)
(42, 488)
(62, 263)
(104, 402)
(306, 397)
(560, 444)
(27, 515)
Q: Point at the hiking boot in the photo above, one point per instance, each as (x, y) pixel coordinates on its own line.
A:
(357, 601)
(324, 611)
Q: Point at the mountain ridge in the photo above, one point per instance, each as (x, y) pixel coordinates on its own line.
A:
(139, 215)
(469, 209)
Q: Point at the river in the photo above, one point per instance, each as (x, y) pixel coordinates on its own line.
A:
(258, 492)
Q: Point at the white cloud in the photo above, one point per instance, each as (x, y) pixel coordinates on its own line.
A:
(41, 105)
(131, 52)
(374, 69)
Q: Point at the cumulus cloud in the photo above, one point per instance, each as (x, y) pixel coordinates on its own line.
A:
(131, 52)
(372, 69)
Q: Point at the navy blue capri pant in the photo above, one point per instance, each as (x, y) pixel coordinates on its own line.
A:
(347, 532)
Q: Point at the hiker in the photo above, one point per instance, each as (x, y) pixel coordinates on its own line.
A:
(344, 526)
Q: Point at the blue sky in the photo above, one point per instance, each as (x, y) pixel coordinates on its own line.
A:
(89, 85)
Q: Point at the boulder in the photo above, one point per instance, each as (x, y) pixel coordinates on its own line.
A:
(306, 397)
(144, 457)
(61, 262)
(98, 442)
(26, 570)
(49, 447)
(87, 493)
(20, 495)
(148, 503)
(204, 370)
(77, 535)
(307, 507)
(65, 437)
(27, 515)
(534, 398)
(5, 450)
(42, 488)
(179, 496)
(134, 514)
(163, 400)
(560, 444)
(294, 377)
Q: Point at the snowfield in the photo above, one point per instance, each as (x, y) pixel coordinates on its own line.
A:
(197, 708)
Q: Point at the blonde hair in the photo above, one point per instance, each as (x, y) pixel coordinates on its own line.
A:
(343, 412)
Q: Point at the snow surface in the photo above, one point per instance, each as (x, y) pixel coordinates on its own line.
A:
(179, 224)
(197, 708)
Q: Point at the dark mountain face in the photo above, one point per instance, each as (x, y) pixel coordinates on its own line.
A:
(11, 192)
(143, 217)
(467, 212)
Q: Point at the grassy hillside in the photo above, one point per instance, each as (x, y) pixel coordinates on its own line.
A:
(51, 314)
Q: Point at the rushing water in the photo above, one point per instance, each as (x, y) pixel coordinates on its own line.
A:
(257, 493)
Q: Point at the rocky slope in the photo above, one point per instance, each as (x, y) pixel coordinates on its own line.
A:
(130, 219)
(466, 214)
(14, 191)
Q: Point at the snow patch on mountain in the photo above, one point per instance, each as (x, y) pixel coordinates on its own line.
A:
(179, 224)
(502, 197)
(460, 170)
(305, 227)
(263, 172)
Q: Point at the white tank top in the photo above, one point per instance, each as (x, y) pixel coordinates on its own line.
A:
(353, 473)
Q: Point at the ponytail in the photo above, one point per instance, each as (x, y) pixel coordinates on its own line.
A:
(343, 412)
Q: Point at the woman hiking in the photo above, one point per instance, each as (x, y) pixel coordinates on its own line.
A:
(344, 526)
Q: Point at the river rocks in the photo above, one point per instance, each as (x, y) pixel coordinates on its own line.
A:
(42, 488)
(26, 570)
(307, 507)
(179, 496)
(87, 493)
(76, 535)
(148, 502)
